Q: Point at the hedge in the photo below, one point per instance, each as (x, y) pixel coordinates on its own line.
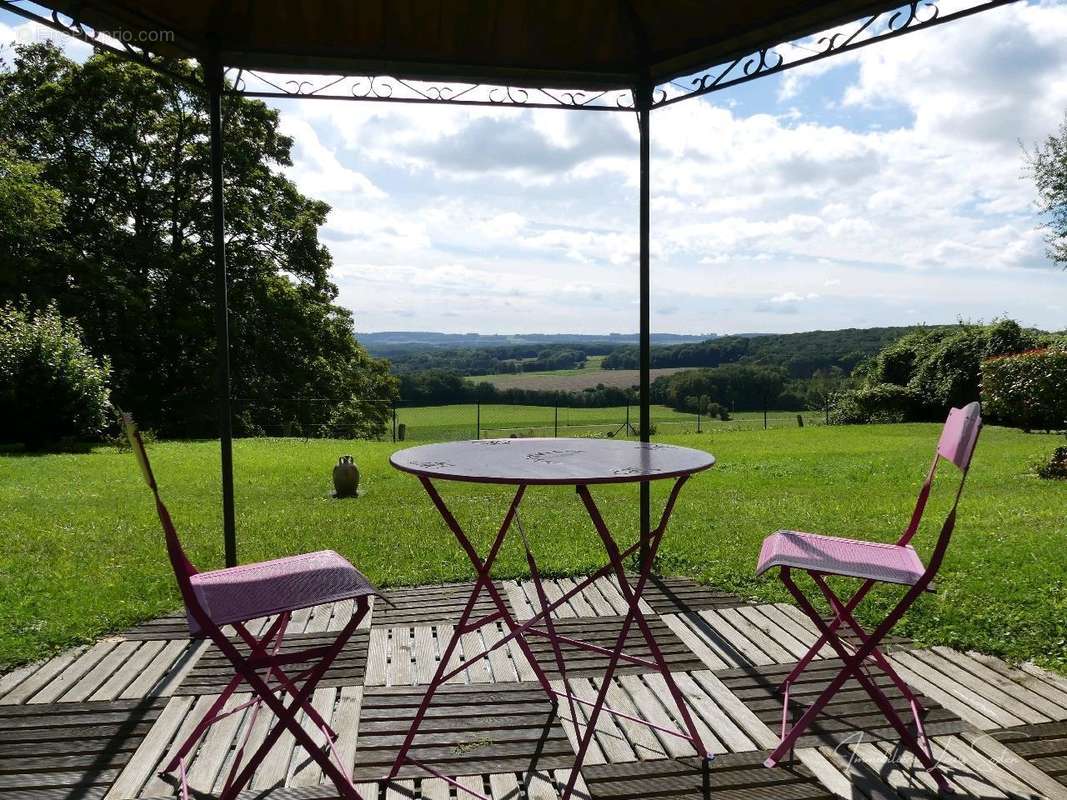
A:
(1027, 390)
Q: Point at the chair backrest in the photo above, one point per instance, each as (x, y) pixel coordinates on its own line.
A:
(960, 435)
(956, 445)
(183, 568)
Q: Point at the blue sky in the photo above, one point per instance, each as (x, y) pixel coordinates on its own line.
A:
(883, 187)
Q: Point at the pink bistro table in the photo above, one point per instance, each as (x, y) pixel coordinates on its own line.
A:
(581, 463)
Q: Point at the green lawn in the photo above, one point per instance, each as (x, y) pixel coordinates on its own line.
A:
(81, 552)
(592, 364)
(434, 423)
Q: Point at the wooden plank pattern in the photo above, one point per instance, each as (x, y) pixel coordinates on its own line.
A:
(973, 769)
(71, 749)
(734, 776)
(604, 631)
(421, 605)
(849, 714)
(102, 720)
(682, 595)
(213, 670)
(1042, 746)
(467, 730)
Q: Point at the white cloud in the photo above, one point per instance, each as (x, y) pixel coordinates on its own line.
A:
(898, 196)
(316, 169)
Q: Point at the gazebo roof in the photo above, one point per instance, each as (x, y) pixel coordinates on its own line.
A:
(574, 44)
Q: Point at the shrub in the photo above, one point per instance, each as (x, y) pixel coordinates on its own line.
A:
(1056, 466)
(51, 386)
(1028, 390)
(883, 402)
(940, 367)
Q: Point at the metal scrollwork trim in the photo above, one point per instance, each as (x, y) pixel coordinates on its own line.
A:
(767, 61)
(383, 88)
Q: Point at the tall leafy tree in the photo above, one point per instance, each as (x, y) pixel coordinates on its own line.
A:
(124, 153)
(1048, 166)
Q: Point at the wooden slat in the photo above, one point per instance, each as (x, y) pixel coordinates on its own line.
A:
(29, 680)
(727, 732)
(302, 769)
(1033, 706)
(156, 785)
(1001, 701)
(421, 605)
(206, 761)
(79, 748)
(950, 694)
(650, 707)
(213, 670)
(733, 776)
(149, 682)
(128, 671)
(1015, 751)
(682, 595)
(604, 632)
(642, 739)
(177, 672)
(575, 728)
(518, 600)
(850, 713)
(609, 736)
(714, 649)
(470, 729)
(74, 672)
(146, 759)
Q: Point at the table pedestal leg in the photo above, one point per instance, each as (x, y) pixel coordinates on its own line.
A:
(483, 582)
(634, 614)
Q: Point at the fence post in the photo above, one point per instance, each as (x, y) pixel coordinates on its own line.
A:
(698, 416)
(555, 421)
(827, 409)
(800, 420)
(478, 419)
(394, 423)
(764, 413)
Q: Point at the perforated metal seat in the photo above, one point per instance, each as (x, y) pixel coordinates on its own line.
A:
(257, 590)
(835, 556)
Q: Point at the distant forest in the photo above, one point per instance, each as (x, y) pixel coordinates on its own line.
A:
(787, 371)
(801, 355)
(491, 360)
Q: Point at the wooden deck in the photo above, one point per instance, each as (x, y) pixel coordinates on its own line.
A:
(99, 721)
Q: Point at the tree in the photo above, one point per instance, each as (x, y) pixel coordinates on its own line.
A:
(1048, 167)
(127, 150)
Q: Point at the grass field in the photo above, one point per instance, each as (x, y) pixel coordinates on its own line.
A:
(81, 552)
(433, 423)
(592, 364)
(571, 380)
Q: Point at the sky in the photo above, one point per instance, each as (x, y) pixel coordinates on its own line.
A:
(887, 186)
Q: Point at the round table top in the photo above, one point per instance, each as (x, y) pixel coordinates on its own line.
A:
(550, 461)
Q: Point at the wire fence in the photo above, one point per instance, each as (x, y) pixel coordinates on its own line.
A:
(408, 422)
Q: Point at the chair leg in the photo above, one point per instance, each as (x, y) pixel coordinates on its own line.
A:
(824, 636)
(845, 613)
(259, 650)
(212, 715)
(287, 715)
(287, 720)
(852, 666)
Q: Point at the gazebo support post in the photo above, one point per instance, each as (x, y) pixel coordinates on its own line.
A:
(643, 103)
(213, 76)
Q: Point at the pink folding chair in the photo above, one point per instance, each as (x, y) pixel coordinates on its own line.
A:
(873, 563)
(270, 588)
